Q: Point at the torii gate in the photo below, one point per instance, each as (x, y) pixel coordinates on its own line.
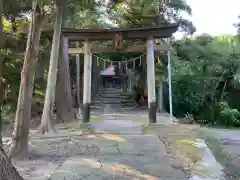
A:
(118, 35)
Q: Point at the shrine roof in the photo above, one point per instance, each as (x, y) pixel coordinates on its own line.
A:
(109, 34)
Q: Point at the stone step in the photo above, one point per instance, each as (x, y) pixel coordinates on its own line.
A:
(113, 96)
(122, 98)
(118, 87)
(110, 99)
(110, 89)
(113, 99)
(108, 92)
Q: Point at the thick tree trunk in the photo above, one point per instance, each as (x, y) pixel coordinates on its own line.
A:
(46, 122)
(64, 104)
(1, 106)
(1, 64)
(19, 147)
(7, 170)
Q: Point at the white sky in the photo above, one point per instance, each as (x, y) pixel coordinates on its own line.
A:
(214, 17)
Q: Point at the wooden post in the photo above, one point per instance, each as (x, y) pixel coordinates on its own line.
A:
(160, 88)
(78, 76)
(170, 83)
(151, 80)
(160, 96)
(87, 83)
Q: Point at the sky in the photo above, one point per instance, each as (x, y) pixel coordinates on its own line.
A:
(215, 17)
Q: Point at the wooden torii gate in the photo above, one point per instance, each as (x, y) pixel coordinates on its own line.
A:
(117, 35)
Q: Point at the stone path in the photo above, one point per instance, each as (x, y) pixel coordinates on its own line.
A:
(121, 157)
(118, 123)
(124, 154)
(128, 122)
(106, 156)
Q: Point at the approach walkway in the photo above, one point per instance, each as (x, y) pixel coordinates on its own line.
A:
(121, 151)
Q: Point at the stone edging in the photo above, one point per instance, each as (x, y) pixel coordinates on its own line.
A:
(208, 168)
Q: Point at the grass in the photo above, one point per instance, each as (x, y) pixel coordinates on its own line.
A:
(75, 123)
(96, 120)
(140, 120)
(82, 132)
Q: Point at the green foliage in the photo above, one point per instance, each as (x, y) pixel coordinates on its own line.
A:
(228, 116)
(205, 79)
(152, 13)
(205, 72)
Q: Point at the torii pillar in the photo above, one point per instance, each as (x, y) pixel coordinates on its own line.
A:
(151, 81)
(87, 84)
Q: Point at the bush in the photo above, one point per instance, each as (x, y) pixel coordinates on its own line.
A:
(228, 116)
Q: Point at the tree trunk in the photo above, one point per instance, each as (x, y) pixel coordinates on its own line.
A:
(1, 64)
(46, 122)
(19, 147)
(1, 106)
(64, 104)
(7, 170)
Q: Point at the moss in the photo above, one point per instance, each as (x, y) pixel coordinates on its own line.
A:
(180, 140)
(150, 130)
(140, 120)
(215, 145)
(82, 132)
(189, 150)
(96, 120)
(75, 123)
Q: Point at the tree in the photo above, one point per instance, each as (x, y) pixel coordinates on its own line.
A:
(206, 79)
(7, 170)
(46, 121)
(1, 61)
(19, 147)
(152, 13)
(64, 104)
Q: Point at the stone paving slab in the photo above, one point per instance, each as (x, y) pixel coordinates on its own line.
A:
(105, 157)
(35, 170)
(72, 156)
(134, 157)
(118, 126)
(77, 168)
